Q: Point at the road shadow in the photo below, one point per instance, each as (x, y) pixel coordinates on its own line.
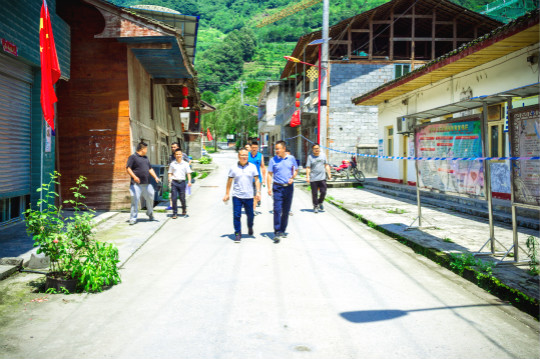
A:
(230, 236)
(269, 235)
(370, 316)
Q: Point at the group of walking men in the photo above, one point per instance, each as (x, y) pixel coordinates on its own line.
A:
(139, 168)
(245, 179)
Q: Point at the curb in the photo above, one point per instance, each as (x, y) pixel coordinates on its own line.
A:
(487, 282)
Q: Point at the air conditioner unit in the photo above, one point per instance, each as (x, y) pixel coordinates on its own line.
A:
(405, 125)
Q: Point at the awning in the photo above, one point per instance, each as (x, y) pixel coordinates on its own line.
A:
(475, 102)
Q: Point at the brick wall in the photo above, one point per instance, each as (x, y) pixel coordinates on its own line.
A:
(350, 125)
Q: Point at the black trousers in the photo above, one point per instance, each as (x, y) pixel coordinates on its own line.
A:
(315, 187)
(178, 189)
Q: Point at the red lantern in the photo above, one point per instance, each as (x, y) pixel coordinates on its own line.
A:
(297, 103)
(196, 117)
(185, 91)
(298, 95)
(185, 102)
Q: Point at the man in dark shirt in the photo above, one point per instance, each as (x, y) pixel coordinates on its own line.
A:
(138, 167)
(172, 158)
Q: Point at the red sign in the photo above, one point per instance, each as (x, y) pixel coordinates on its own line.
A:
(9, 47)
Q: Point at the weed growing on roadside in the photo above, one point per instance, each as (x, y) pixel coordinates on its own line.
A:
(447, 240)
(532, 246)
(461, 261)
(330, 198)
(396, 211)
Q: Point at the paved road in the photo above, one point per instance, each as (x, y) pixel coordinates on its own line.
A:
(333, 289)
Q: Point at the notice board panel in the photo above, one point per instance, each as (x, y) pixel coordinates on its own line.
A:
(454, 138)
(524, 124)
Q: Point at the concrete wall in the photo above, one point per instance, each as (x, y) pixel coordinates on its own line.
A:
(508, 72)
(350, 125)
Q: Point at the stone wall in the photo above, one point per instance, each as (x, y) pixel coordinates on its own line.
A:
(350, 125)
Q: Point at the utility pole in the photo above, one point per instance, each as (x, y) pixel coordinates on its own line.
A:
(243, 142)
(323, 130)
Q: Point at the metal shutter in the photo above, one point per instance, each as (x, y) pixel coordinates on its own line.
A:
(15, 114)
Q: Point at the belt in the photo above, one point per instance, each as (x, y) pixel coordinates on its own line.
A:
(282, 184)
(179, 181)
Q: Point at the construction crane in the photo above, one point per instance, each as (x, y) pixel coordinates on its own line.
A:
(289, 10)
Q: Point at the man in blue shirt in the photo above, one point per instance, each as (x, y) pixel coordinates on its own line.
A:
(256, 158)
(282, 170)
(243, 174)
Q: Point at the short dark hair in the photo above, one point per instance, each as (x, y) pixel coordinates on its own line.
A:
(175, 143)
(254, 143)
(178, 150)
(141, 145)
(242, 149)
(315, 144)
(282, 143)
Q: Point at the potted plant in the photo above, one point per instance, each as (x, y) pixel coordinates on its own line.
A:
(78, 261)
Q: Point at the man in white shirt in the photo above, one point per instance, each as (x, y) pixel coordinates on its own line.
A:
(242, 174)
(178, 171)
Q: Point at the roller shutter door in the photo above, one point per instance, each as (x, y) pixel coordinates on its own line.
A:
(15, 116)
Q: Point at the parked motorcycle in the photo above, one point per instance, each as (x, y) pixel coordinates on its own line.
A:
(346, 169)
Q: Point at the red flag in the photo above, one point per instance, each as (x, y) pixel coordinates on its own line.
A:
(50, 69)
(295, 119)
(209, 135)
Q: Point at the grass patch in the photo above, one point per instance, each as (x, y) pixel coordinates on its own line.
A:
(204, 175)
(447, 240)
(396, 211)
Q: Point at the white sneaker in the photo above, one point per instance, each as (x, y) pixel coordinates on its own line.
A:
(132, 222)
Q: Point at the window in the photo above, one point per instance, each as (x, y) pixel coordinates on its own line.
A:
(389, 134)
(11, 209)
(496, 136)
(401, 69)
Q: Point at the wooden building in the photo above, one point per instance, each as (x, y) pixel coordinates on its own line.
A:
(129, 77)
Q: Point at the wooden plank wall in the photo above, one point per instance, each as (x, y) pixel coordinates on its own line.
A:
(93, 111)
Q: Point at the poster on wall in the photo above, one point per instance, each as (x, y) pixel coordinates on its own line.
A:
(525, 142)
(48, 138)
(451, 139)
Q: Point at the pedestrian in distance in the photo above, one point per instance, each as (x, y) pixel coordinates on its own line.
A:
(282, 170)
(139, 168)
(257, 159)
(241, 178)
(317, 168)
(172, 158)
(179, 171)
(288, 153)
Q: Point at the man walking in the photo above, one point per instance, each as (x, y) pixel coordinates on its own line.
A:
(139, 168)
(172, 158)
(256, 158)
(317, 168)
(282, 171)
(178, 171)
(242, 174)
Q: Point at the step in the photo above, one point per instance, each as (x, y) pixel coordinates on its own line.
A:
(463, 205)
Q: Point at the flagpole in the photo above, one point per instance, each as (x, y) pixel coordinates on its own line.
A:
(41, 166)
